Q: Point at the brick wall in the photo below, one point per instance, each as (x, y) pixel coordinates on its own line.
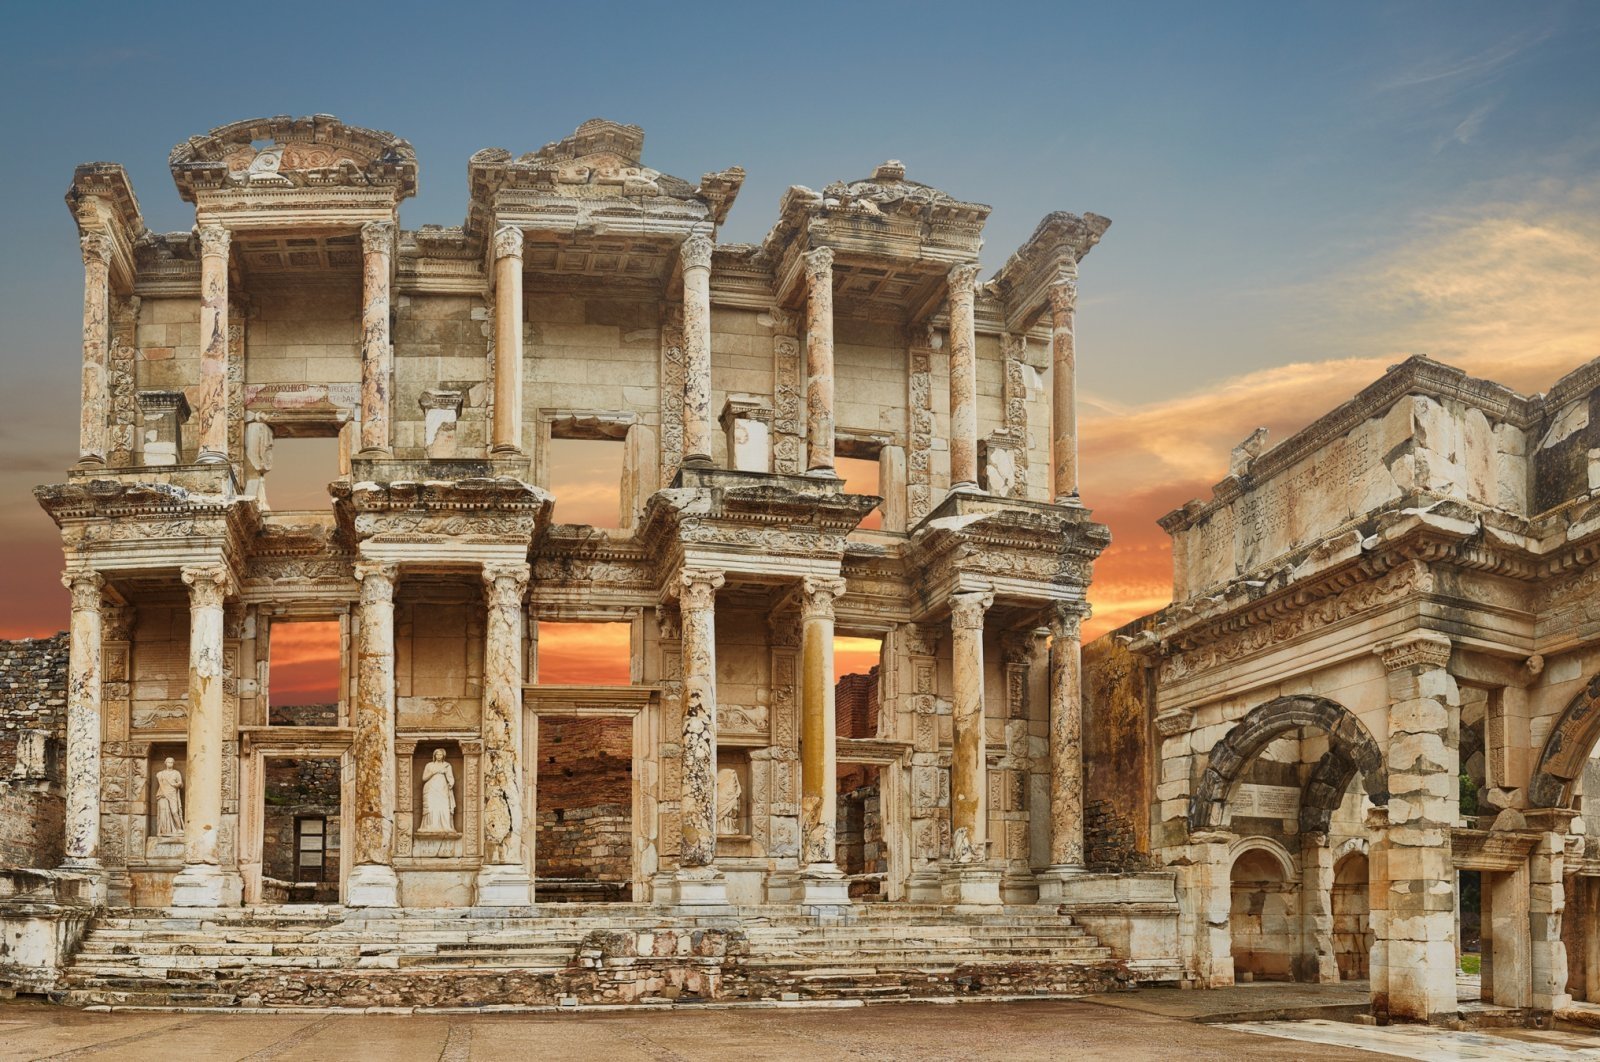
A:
(855, 705)
(33, 691)
(33, 697)
(585, 804)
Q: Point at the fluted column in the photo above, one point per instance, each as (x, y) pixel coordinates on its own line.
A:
(508, 341)
(372, 881)
(377, 350)
(504, 880)
(1063, 390)
(93, 432)
(963, 380)
(969, 878)
(696, 258)
(1066, 753)
(211, 399)
(200, 883)
(821, 879)
(83, 720)
(698, 881)
(819, 361)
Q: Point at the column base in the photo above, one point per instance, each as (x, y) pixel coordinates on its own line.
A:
(372, 885)
(1054, 882)
(818, 885)
(199, 885)
(970, 884)
(94, 874)
(699, 887)
(924, 885)
(504, 885)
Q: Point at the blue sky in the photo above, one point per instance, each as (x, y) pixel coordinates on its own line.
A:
(1279, 175)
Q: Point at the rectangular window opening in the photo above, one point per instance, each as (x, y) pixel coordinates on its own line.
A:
(301, 470)
(860, 475)
(572, 654)
(585, 475)
(303, 678)
(856, 662)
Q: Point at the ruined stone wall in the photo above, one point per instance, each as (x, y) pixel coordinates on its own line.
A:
(33, 691)
(585, 799)
(1118, 734)
(855, 705)
(440, 344)
(33, 698)
(1561, 448)
(870, 366)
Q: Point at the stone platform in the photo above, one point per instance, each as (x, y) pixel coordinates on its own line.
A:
(576, 955)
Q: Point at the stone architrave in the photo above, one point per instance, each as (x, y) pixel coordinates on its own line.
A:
(94, 430)
(201, 881)
(698, 881)
(507, 245)
(1066, 753)
(821, 881)
(372, 881)
(83, 720)
(1418, 979)
(963, 379)
(696, 259)
(211, 397)
(504, 880)
(819, 361)
(1063, 392)
(377, 352)
(968, 877)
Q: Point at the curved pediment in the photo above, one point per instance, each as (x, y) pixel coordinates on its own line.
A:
(318, 151)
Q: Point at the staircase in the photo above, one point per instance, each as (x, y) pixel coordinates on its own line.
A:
(570, 954)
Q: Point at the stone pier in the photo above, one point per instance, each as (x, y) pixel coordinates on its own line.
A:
(698, 881)
(1066, 754)
(202, 882)
(372, 881)
(821, 881)
(969, 878)
(504, 880)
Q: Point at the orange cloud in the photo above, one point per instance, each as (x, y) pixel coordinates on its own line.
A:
(584, 653)
(305, 663)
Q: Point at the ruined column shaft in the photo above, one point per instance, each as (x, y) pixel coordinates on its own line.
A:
(819, 755)
(508, 341)
(211, 399)
(373, 744)
(83, 720)
(696, 257)
(93, 431)
(697, 592)
(377, 350)
(963, 380)
(819, 361)
(200, 882)
(1064, 389)
(969, 788)
(1066, 740)
(505, 587)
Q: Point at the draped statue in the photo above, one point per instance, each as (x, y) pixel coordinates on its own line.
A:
(438, 797)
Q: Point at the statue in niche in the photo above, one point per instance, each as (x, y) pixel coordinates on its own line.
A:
(169, 801)
(729, 794)
(438, 797)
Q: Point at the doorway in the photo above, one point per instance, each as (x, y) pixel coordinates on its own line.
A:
(583, 843)
(1352, 928)
(301, 844)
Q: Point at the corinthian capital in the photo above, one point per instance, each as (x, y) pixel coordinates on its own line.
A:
(966, 610)
(1063, 297)
(214, 240)
(696, 252)
(961, 278)
(818, 593)
(508, 242)
(1424, 650)
(697, 587)
(208, 585)
(377, 581)
(1066, 618)
(506, 583)
(819, 264)
(96, 248)
(377, 237)
(85, 587)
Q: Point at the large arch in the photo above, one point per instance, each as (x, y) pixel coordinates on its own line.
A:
(1567, 749)
(1351, 749)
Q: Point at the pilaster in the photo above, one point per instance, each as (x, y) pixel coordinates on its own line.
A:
(93, 428)
(504, 880)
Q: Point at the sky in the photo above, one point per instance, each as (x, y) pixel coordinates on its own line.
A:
(1301, 194)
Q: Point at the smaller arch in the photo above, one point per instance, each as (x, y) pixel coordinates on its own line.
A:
(1567, 749)
(1351, 846)
(1245, 845)
(1352, 749)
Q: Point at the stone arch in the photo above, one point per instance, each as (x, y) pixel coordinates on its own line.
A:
(1567, 749)
(1245, 845)
(1351, 749)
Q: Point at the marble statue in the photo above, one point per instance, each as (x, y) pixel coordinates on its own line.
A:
(169, 801)
(438, 796)
(729, 794)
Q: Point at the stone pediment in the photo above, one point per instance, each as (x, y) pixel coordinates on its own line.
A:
(501, 509)
(265, 154)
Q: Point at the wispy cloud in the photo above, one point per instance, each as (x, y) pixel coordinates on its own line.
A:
(1458, 70)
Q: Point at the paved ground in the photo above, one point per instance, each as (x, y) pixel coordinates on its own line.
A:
(1019, 1031)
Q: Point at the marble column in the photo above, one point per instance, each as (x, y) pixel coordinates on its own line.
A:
(83, 721)
(821, 881)
(1066, 754)
(200, 882)
(377, 351)
(372, 881)
(93, 429)
(698, 882)
(968, 877)
(696, 259)
(504, 880)
(819, 361)
(963, 380)
(507, 341)
(211, 397)
(1063, 391)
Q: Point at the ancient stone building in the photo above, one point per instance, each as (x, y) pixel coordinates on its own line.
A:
(585, 297)
(1377, 682)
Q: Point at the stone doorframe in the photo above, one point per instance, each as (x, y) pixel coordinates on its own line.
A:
(894, 803)
(257, 744)
(638, 704)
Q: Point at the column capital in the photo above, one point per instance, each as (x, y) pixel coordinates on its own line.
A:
(696, 588)
(85, 587)
(508, 242)
(818, 593)
(1063, 296)
(818, 263)
(1423, 650)
(214, 240)
(966, 610)
(506, 581)
(962, 278)
(1066, 618)
(377, 237)
(696, 252)
(377, 581)
(208, 585)
(96, 248)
